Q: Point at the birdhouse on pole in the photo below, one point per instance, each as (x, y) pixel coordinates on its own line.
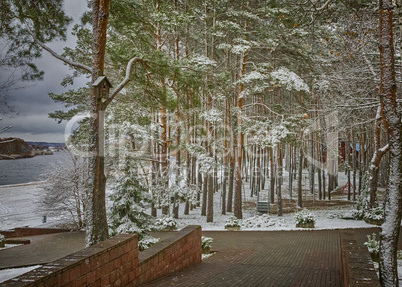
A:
(102, 87)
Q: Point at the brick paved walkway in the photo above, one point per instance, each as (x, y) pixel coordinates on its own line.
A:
(283, 258)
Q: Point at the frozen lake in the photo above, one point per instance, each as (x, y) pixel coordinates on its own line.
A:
(27, 169)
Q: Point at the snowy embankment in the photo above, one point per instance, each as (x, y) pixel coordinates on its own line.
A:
(19, 207)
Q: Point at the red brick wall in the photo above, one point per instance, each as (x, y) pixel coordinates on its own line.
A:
(178, 252)
(116, 261)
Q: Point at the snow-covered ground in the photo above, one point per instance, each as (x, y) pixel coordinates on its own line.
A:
(325, 219)
(7, 274)
(9, 246)
(19, 207)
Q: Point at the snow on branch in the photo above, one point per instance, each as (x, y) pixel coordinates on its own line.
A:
(261, 104)
(384, 149)
(289, 80)
(201, 62)
(323, 6)
(252, 76)
(276, 135)
(212, 116)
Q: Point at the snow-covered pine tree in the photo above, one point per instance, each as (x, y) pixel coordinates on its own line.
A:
(127, 213)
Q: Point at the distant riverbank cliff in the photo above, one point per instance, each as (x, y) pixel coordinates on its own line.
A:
(14, 148)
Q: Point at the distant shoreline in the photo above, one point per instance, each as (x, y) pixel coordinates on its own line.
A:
(14, 156)
(23, 184)
(21, 156)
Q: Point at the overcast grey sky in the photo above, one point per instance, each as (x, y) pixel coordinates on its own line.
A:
(31, 105)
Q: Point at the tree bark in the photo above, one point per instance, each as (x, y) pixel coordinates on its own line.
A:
(272, 179)
(178, 163)
(204, 195)
(238, 212)
(97, 228)
(347, 150)
(354, 165)
(299, 179)
(232, 166)
(375, 162)
(279, 193)
(393, 203)
(188, 168)
(165, 209)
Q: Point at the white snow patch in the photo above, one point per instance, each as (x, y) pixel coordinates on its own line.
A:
(19, 207)
(289, 80)
(205, 256)
(325, 219)
(7, 274)
(9, 246)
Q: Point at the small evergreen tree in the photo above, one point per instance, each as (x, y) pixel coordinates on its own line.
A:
(127, 213)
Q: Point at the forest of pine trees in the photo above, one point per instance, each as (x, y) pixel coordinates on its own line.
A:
(207, 95)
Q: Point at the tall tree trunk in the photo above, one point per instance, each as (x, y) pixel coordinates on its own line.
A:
(393, 203)
(232, 164)
(312, 170)
(165, 209)
(354, 164)
(300, 179)
(188, 168)
(97, 228)
(210, 203)
(204, 195)
(178, 162)
(178, 130)
(238, 187)
(226, 158)
(163, 117)
(272, 179)
(252, 170)
(258, 171)
(331, 185)
(375, 161)
(199, 183)
(238, 212)
(323, 184)
(279, 193)
(155, 167)
(361, 159)
(210, 173)
(347, 151)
